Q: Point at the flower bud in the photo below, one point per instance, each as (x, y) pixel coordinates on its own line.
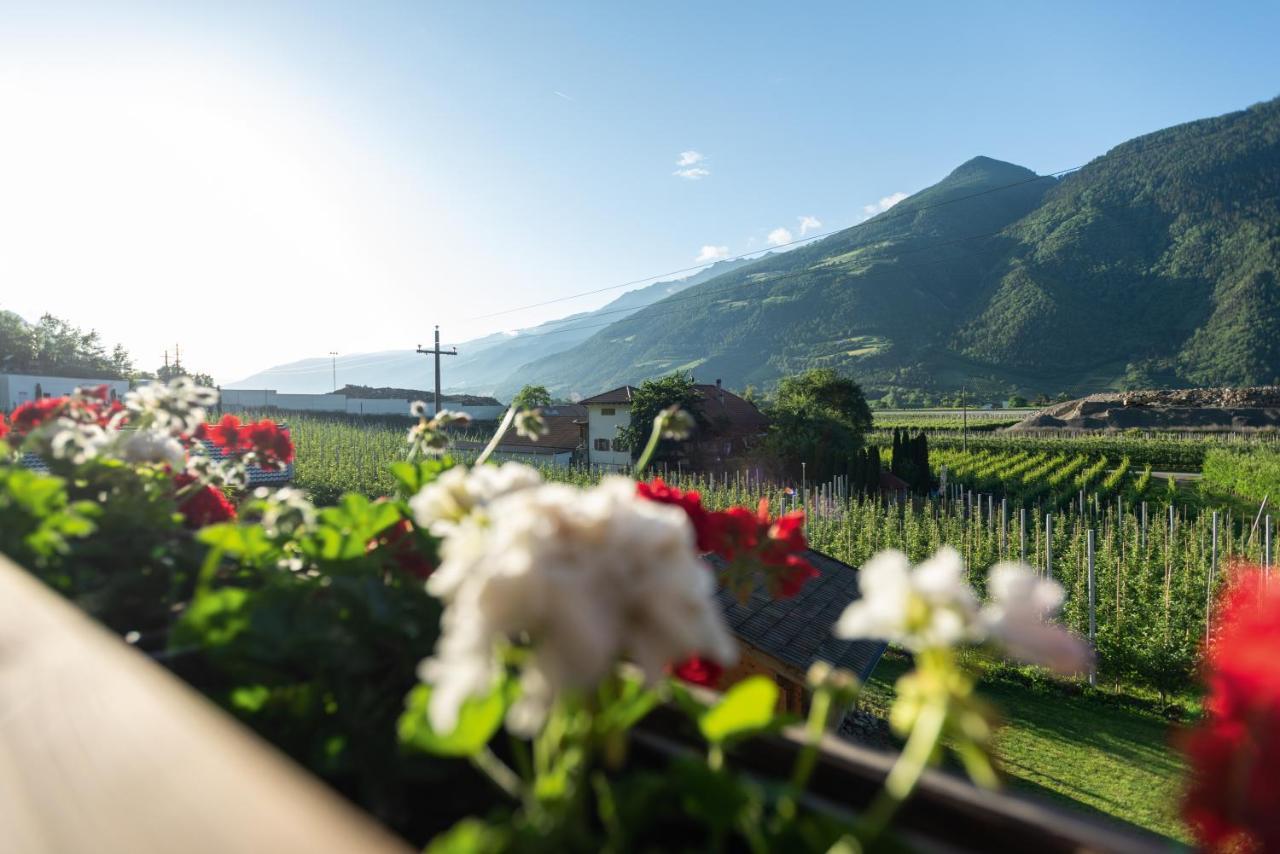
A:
(530, 424)
(674, 423)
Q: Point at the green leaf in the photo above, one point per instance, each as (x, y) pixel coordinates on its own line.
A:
(745, 708)
(213, 619)
(478, 719)
(248, 542)
(469, 836)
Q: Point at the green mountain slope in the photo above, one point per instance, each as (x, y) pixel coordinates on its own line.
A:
(1155, 263)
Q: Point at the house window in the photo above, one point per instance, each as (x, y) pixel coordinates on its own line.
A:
(608, 410)
(602, 444)
(618, 445)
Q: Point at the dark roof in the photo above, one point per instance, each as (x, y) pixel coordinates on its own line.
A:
(797, 631)
(364, 392)
(575, 410)
(563, 433)
(725, 409)
(890, 482)
(622, 394)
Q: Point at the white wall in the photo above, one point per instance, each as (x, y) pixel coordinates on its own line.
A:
(559, 458)
(601, 426)
(238, 398)
(16, 389)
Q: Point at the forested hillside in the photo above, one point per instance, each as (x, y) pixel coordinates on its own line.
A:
(1154, 264)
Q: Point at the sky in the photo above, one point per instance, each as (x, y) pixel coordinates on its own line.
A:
(264, 182)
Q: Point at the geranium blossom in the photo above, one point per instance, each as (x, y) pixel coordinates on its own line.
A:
(152, 446)
(753, 544)
(442, 504)
(930, 606)
(1231, 802)
(586, 578)
(1017, 618)
(203, 506)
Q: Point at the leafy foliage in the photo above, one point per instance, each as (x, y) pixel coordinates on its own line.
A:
(651, 398)
(532, 397)
(55, 347)
(818, 418)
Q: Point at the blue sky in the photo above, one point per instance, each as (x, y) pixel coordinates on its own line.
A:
(353, 173)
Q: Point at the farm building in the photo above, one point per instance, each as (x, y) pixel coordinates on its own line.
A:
(734, 425)
(480, 409)
(17, 389)
(562, 446)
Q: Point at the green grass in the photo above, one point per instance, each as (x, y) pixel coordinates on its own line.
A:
(1086, 751)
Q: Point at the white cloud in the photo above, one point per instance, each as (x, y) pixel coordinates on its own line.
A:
(884, 204)
(779, 237)
(561, 94)
(712, 253)
(689, 169)
(808, 224)
(692, 174)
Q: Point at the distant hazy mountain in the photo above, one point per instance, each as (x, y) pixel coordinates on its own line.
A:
(481, 363)
(1157, 263)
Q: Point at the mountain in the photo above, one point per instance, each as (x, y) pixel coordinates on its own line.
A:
(482, 363)
(1156, 263)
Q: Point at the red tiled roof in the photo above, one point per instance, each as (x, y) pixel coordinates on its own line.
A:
(726, 411)
(563, 434)
(622, 394)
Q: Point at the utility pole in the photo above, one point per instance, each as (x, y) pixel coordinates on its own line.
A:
(437, 352)
(333, 354)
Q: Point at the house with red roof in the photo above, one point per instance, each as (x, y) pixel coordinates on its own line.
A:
(734, 425)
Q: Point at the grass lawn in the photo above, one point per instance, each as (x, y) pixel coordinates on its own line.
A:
(1084, 751)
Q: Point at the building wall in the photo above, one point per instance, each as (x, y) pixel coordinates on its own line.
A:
(793, 696)
(602, 426)
(239, 398)
(16, 389)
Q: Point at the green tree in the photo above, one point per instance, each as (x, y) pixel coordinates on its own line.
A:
(1017, 401)
(531, 397)
(54, 346)
(652, 397)
(818, 419)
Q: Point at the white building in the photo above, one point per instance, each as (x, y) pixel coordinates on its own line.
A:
(17, 389)
(731, 426)
(607, 413)
(243, 398)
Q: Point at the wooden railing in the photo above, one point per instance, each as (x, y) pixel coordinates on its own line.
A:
(103, 751)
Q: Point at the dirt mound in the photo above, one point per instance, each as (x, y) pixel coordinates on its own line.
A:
(1199, 409)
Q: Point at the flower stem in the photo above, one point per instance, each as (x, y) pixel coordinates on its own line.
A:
(649, 449)
(497, 771)
(816, 725)
(497, 436)
(906, 772)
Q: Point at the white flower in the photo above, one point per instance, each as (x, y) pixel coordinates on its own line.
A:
(931, 606)
(178, 407)
(586, 577)
(152, 446)
(675, 423)
(445, 417)
(530, 424)
(1016, 617)
(442, 504)
(77, 442)
(418, 409)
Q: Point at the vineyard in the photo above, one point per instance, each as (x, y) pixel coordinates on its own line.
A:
(1155, 568)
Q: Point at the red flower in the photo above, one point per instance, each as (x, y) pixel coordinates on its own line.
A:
(228, 434)
(205, 506)
(4, 426)
(400, 545)
(699, 671)
(1231, 801)
(690, 502)
(751, 542)
(272, 445)
(34, 413)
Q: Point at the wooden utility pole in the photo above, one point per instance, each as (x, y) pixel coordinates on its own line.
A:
(437, 352)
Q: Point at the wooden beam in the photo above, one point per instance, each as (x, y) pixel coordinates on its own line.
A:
(103, 750)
